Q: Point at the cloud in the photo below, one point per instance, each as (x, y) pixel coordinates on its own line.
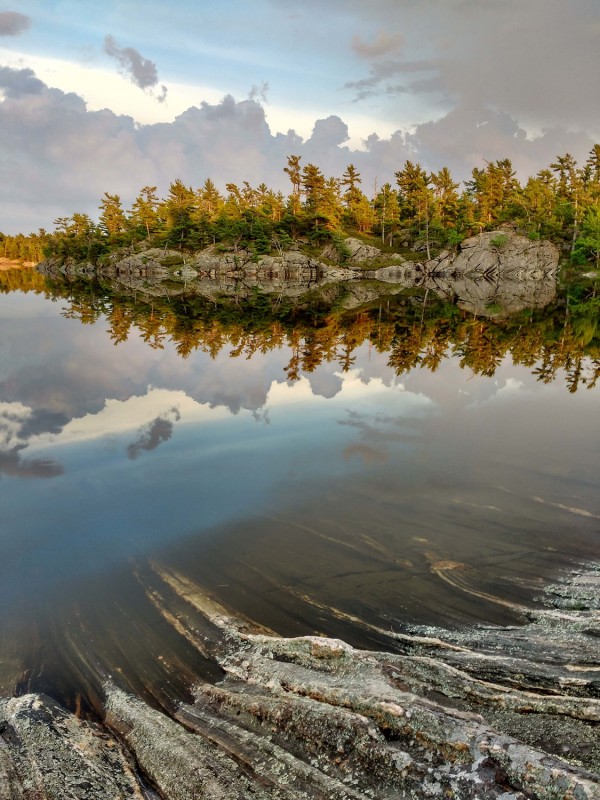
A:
(141, 71)
(328, 133)
(382, 44)
(12, 23)
(12, 465)
(259, 93)
(532, 61)
(57, 157)
(19, 82)
(154, 433)
(473, 133)
(382, 70)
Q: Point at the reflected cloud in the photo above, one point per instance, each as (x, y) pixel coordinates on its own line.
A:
(12, 465)
(373, 425)
(17, 424)
(368, 453)
(153, 416)
(377, 431)
(262, 415)
(121, 416)
(12, 419)
(508, 390)
(154, 433)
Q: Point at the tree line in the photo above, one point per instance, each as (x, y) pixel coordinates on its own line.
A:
(421, 210)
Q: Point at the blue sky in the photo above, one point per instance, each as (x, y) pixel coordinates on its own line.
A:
(114, 96)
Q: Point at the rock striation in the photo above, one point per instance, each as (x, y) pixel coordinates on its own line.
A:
(509, 713)
(498, 253)
(495, 274)
(45, 752)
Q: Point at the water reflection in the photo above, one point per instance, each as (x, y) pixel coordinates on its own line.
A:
(312, 467)
(417, 319)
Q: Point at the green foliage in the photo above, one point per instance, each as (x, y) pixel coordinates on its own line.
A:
(587, 244)
(425, 209)
(454, 238)
(172, 261)
(338, 241)
(499, 241)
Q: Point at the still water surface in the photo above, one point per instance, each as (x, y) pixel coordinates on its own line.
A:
(309, 506)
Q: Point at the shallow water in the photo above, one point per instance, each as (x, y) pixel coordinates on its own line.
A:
(349, 503)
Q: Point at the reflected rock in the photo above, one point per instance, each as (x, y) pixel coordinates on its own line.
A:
(495, 274)
(497, 296)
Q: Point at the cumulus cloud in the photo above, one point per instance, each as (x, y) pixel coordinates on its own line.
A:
(12, 23)
(56, 157)
(19, 82)
(154, 433)
(472, 133)
(328, 133)
(141, 71)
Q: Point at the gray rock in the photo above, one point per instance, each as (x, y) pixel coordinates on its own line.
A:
(497, 295)
(356, 252)
(48, 754)
(482, 713)
(498, 253)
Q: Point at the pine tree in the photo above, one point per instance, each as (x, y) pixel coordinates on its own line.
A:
(144, 210)
(112, 218)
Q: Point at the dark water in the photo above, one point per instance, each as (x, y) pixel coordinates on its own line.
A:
(309, 505)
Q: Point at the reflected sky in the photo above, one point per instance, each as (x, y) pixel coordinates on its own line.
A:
(113, 452)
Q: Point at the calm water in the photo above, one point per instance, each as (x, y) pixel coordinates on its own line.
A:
(429, 497)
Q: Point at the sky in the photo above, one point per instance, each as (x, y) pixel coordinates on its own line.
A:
(128, 93)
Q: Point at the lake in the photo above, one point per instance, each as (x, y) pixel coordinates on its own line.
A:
(315, 469)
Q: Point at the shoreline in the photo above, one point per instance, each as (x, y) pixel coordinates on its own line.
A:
(500, 712)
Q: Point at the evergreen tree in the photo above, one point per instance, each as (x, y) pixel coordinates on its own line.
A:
(179, 208)
(588, 241)
(143, 215)
(387, 213)
(112, 218)
(294, 172)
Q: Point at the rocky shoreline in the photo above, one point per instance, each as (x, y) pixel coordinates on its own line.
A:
(493, 274)
(489, 712)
